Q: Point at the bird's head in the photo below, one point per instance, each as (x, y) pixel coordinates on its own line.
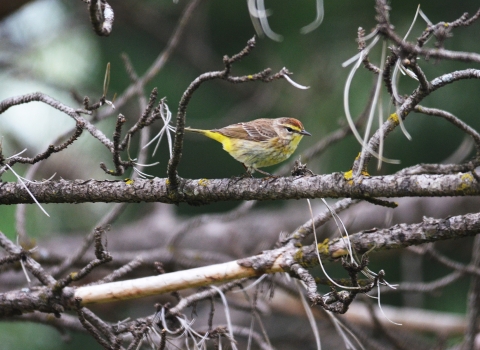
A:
(290, 128)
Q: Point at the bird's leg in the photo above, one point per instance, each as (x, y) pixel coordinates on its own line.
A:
(265, 173)
(248, 172)
(270, 177)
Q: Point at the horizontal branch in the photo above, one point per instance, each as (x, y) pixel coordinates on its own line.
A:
(204, 191)
(279, 260)
(169, 282)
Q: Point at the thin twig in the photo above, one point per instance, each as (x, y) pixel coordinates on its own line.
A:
(452, 119)
(159, 61)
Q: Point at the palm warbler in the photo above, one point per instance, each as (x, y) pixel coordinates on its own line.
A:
(259, 143)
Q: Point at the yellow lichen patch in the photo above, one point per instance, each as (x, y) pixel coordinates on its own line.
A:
(250, 77)
(348, 175)
(394, 118)
(338, 253)
(167, 182)
(365, 173)
(323, 247)
(298, 256)
(73, 275)
(202, 182)
(467, 180)
(128, 181)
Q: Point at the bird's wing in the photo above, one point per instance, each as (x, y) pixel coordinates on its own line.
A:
(248, 131)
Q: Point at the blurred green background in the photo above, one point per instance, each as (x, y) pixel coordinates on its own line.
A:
(49, 46)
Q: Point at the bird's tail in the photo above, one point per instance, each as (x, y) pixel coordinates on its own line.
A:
(210, 133)
(198, 131)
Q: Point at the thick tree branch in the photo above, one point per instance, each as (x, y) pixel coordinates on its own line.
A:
(279, 260)
(398, 236)
(203, 191)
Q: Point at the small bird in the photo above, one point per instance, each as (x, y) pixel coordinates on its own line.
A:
(259, 143)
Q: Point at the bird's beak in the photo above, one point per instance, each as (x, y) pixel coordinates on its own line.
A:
(305, 132)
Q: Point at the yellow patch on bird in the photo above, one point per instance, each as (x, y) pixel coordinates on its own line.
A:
(227, 144)
(295, 141)
(129, 181)
(225, 141)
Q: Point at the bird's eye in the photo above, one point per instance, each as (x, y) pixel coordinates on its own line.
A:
(289, 129)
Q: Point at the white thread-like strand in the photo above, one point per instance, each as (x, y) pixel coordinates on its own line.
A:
(297, 85)
(310, 317)
(26, 188)
(318, 19)
(318, 254)
(227, 315)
